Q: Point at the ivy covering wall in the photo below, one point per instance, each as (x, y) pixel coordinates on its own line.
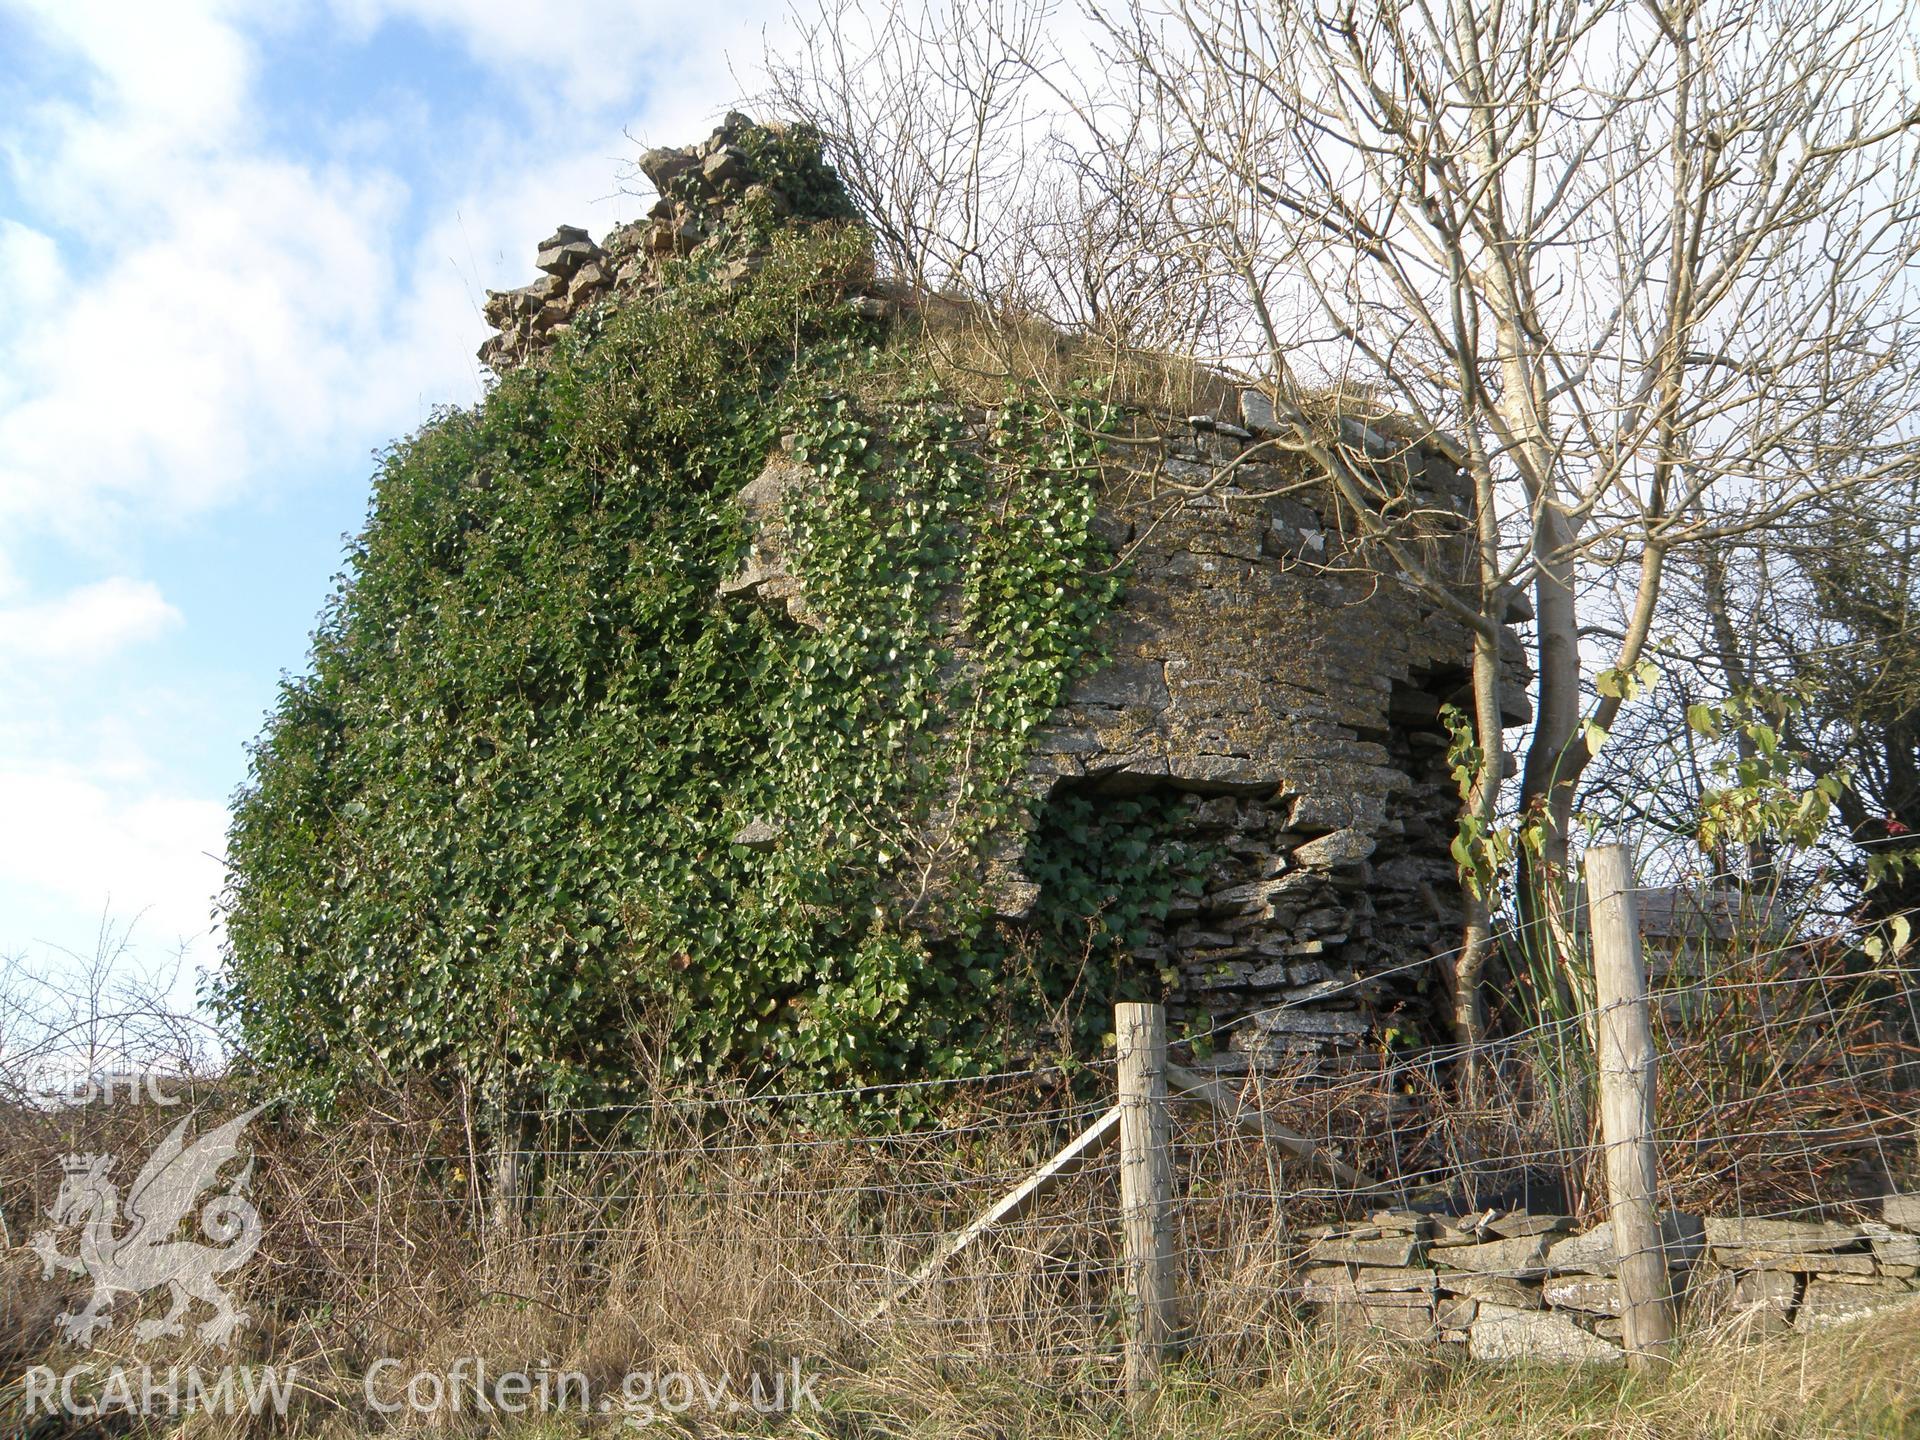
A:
(489, 830)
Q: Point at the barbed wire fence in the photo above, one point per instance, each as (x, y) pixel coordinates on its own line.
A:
(724, 1232)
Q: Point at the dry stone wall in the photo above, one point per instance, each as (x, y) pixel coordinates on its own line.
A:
(1520, 1286)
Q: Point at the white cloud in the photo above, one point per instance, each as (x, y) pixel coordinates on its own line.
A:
(193, 312)
(599, 51)
(228, 331)
(238, 308)
(32, 275)
(86, 624)
(151, 856)
(163, 82)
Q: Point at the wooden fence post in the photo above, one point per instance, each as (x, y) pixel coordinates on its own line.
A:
(1625, 1059)
(1146, 1190)
(507, 1172)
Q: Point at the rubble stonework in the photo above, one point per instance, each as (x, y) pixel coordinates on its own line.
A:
(1283, 689)
(1288, 693)
(710, 195)
(1292, 692)
(1542, 1292)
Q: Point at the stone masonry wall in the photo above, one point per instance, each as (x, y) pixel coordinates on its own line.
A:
(706, 193)
(1291, 691)
(1288, 694)
(1519, 1286)
(1283, 686)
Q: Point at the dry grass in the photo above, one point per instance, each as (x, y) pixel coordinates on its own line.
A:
(736, 1239)
(1839, 1385)
(976, 354)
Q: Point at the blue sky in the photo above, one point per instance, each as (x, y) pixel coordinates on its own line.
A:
(243, 243)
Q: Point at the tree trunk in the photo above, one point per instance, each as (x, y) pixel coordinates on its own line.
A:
(1547, 785)
(1482, 800)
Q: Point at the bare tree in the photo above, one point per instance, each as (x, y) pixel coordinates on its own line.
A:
(1634, 256)
(1623, 260)
(69, 1019)
(923, 109)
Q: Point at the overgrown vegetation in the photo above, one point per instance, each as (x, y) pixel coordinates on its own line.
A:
(1774, 1013)
(1858, 1384)
(489, 833)
(741, 1247)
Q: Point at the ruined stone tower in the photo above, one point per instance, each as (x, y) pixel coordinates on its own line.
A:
(1282, 686)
